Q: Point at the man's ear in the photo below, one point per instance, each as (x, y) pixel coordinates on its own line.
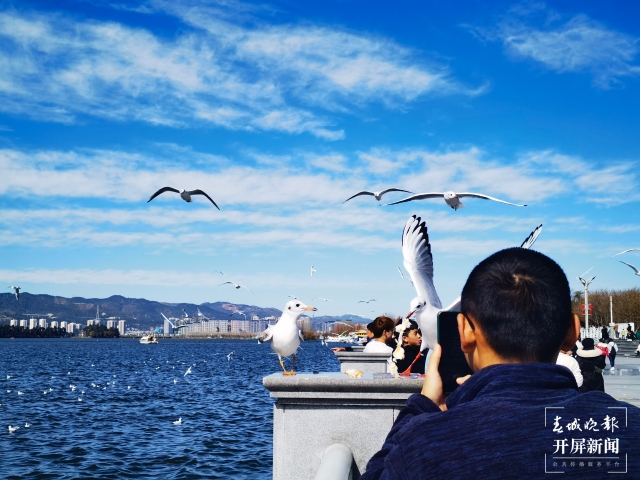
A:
(467, 334)
(572, 334)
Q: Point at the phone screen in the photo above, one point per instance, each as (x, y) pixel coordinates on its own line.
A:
(453, 363)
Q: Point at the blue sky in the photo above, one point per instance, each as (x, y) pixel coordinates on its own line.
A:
(282, 110)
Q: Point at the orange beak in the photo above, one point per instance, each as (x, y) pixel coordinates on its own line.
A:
(311, 309)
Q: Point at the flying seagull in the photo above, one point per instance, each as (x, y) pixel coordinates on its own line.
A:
(184, 194)
(236, 285)
(377, 195)
(16, 290)
(625, 251)
(452, 199)
(312, 271)
(634, 268)
(418, 261)
(367, 301)
(285, 336)
(325, 299)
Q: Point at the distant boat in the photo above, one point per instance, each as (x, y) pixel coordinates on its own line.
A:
(147, 339)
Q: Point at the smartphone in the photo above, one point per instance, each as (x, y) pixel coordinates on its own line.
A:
(453, 363)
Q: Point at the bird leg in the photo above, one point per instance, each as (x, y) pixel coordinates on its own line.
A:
(293, 362)
(282, 365)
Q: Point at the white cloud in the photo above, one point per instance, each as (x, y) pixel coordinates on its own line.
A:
(284, 78)
(579, 44)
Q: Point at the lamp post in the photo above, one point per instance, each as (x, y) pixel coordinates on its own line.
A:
(586, 283)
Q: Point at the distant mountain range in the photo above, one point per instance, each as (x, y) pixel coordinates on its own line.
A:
(138, 312)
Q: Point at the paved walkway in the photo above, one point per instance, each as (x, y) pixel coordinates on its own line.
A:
(624, 383)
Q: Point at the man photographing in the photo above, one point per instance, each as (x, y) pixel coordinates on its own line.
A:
(519, 415)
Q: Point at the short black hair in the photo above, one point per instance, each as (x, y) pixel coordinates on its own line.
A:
(380, 325)
(522, 302)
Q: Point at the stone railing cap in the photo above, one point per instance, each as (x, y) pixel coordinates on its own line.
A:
(341, 382)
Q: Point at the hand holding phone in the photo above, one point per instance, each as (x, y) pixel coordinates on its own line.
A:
(453, 363)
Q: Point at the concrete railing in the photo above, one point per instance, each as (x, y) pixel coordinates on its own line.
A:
(365, 362)
(321, 419)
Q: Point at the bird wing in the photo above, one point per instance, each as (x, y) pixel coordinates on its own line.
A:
(625, 251)
(393, 190)
(400, 272)
(247, 289)
(531, 239)
(301, 335)
(162, 190)
(486, 197)
(634, 268)
(419, 196)
(200, 192)
(266, 335)
(226, 283)
(418, 260)
(364, 192)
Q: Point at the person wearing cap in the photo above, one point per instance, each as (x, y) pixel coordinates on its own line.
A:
(592, 363)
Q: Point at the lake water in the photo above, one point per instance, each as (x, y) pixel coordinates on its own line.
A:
(122, 432)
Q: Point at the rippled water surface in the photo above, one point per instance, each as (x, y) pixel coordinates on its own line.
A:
(123, 427)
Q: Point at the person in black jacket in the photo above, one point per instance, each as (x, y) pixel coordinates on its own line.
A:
(414, 359)
(592, 363)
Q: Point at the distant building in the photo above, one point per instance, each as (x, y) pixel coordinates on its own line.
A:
(255, 317)
(63, 325)
(304, 323)
(121, 327)
(33, 323)
(42, 323)
(54, 324)
(111, 323)
(24, 323)
(168, 329)
(13, 323)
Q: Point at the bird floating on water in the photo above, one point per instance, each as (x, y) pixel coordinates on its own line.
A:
(13, 429)
(16, 291)
(237, 286)
(376, 195)
(634, 268)
(452, 199)
(20, 393)
(27, 425)
(184, 194)
(285, 336)
(229, 356)
(178, 421)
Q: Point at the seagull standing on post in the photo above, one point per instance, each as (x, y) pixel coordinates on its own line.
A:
(285, 336)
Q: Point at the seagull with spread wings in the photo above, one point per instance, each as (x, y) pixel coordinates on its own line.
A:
(452, 199)
(367, 301)
(376, 195)
(184, 194)
(418, 261)
(237, 286)
(631, 266)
